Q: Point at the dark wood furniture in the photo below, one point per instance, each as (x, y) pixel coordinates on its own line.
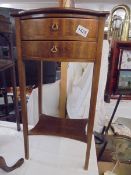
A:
(115, 69)
(119, 75)
(5, 32)
(8, 63)
(50, 34)
(118, 31)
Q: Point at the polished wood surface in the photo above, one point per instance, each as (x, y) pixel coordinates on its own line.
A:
(70, 128)
(59, 50)
(71, 48)
(58, 29)
(59, 11)
(63, 90)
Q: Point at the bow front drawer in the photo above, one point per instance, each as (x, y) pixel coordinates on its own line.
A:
(58, 29)
(58, 50)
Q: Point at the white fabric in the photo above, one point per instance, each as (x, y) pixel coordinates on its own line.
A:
(78, 93)
(79, 89)
(50, 96)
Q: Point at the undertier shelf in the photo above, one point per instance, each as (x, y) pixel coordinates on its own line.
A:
(64, 127)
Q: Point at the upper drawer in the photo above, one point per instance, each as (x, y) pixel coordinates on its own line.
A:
(58, 29)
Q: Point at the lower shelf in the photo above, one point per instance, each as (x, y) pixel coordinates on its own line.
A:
(69, 128)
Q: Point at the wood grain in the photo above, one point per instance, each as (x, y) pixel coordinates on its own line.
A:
(44, 29)
(63, 50)
(63, 90)
(69, 128)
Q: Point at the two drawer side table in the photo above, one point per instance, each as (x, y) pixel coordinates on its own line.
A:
(49, 34)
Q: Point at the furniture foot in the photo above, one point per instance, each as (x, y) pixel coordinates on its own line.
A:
(4, 166)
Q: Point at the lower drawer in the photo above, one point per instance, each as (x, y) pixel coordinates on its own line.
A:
(59, 50)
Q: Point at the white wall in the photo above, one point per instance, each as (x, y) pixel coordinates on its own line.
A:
(107, 6)
(27, 5)
(89, 4)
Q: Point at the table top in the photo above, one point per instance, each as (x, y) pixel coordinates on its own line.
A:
(60, 10)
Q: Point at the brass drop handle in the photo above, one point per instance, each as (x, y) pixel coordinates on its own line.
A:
(54, 49)
(55, 27)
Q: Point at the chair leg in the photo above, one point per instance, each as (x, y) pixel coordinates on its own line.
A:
(16, 106)
(4, 166)
(5, 101)
(13, 79)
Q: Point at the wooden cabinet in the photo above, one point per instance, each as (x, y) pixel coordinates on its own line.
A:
(51, 34)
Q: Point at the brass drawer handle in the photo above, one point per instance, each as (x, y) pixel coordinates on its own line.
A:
(55, 27)
(54, 49)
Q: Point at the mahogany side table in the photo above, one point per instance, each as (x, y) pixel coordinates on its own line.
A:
(59, 34)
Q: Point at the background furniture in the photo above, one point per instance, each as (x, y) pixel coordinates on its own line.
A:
(7, 108)
(118, 30)
(49, 68)
(50, 34)
(121, 81)
(5, 32)
(120, 63)
(6, 63)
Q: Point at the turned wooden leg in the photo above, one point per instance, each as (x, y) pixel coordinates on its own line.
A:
(4, 166)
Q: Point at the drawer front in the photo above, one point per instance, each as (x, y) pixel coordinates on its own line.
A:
(56, 50)
(58, 29)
